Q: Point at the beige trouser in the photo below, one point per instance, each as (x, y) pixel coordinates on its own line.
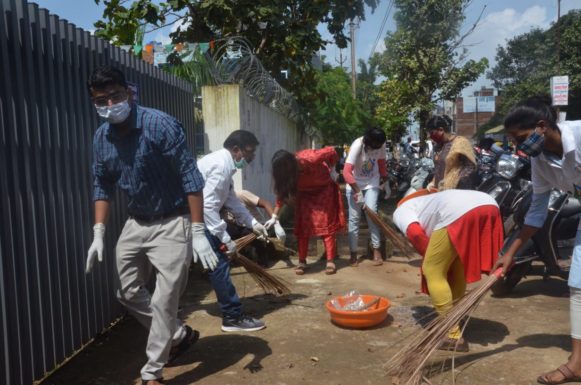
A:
(162, 246)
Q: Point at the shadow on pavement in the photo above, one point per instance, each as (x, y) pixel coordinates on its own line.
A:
(216, 353)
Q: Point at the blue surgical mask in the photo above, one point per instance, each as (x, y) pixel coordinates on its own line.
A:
(533, 145)
(240, 164)
(117, 113)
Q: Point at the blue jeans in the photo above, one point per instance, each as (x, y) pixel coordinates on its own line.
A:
(371, 195)
(228, 299)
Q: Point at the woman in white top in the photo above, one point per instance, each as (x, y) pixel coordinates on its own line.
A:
(365, 170)
(555, 150)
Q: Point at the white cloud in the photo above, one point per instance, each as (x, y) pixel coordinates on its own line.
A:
(498, 27)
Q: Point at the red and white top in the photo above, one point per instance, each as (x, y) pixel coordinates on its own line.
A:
(438, 210)
(364, 166)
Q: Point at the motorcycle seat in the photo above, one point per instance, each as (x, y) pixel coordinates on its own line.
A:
(572, 207)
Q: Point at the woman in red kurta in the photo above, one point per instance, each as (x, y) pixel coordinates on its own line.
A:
(304, 179)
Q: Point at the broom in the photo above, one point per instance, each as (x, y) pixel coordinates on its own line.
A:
(396, 238)
(406, 366)
(268, 282)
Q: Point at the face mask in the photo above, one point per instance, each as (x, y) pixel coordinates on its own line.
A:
(533, 145)
(437, 136)
(240, 164)
(117, 113)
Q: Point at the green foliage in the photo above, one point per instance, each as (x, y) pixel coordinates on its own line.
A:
(284, 32)
(423, 59)
(338, 116)
(525, 65)
(197, 71)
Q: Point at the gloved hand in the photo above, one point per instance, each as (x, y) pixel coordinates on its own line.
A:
(279, 231)
(387, 189)
(359, 199)
(259, 230)
(269, 223)
(202, 250)
(334, 174)
(96, 249)
(230, 247)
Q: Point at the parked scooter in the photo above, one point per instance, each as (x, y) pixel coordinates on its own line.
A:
(552, 244)
(422, 176)
(511, 176)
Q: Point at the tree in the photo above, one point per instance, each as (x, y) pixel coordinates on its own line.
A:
(338, 116)
(284, 32)
(526, 63)
(425, 60)
(366, 88)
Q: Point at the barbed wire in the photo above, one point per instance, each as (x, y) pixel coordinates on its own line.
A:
(233, 61)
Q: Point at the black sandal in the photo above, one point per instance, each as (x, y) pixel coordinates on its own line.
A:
(190, 339)
(160, 380)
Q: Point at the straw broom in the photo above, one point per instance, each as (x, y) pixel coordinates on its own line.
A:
(406, 366)
(396, 238)
(268, 282)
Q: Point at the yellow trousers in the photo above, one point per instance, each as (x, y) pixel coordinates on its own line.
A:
(444, 274)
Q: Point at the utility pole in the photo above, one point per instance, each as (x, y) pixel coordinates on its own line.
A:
(558, 37)
(353, 72)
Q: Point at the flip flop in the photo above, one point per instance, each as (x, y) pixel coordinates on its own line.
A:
(331, 268)
(451, 344)
(568, 376)
(190, 338)
(300, 269)
(377, 261)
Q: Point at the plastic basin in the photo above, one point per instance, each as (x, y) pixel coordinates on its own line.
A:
(360, 319)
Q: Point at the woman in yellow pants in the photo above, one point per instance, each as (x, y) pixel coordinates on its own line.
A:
(459, 233)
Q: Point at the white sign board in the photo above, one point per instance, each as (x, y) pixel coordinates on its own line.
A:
(560, 90)
(479, 104)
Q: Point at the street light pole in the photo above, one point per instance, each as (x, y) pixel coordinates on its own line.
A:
(353, 74)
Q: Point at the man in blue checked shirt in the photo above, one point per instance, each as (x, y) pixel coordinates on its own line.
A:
(143, 151)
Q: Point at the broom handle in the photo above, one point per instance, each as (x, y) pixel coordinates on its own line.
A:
(400, 241)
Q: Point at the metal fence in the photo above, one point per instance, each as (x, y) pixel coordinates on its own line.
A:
(49, 308)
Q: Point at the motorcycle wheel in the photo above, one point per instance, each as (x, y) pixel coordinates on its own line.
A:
(504, 286)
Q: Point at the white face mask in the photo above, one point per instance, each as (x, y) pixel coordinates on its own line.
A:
(117, 113)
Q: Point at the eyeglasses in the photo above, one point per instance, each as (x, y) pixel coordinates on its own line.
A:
(115, 97)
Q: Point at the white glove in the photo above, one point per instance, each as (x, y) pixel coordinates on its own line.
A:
(259, 230)
(230, 247)
(279, 231)
(359, 199)
(334, 174)
(202, 250)
(387, 189)
(269, 223)
(96, 249)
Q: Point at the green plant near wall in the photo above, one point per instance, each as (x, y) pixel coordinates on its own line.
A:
(195, 70)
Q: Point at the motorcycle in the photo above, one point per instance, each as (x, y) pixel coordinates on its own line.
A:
(422, 176)
(512, 175)
(552, 244)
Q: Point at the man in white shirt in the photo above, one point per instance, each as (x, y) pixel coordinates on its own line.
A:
(217, 169)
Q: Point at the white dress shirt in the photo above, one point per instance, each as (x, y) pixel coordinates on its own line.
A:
(217, 169)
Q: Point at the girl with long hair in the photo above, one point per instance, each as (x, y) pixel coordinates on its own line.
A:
(304, 180)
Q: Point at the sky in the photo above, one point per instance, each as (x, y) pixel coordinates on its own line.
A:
(500, 21)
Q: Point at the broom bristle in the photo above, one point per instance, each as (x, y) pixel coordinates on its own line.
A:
(268, 282)
(397, 239)
(406, 366)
